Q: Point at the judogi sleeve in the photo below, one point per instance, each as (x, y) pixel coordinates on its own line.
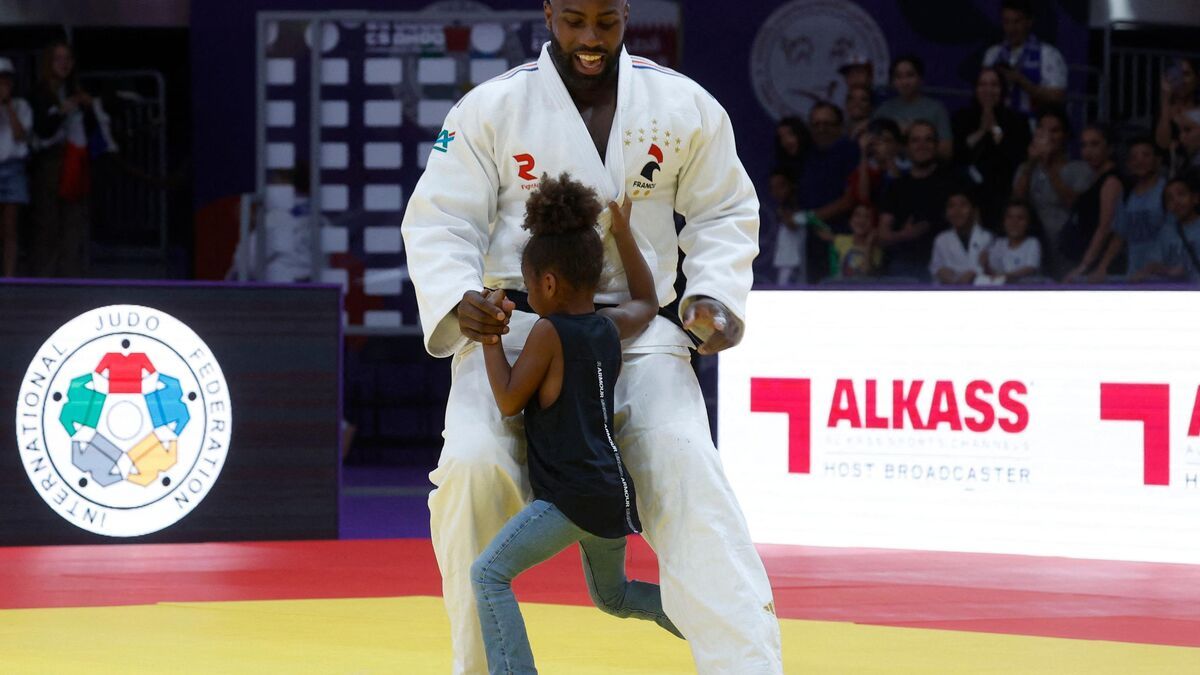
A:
(446, 224)
(716, 197)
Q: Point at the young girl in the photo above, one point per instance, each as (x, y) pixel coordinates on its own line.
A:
(1017, 255)
(855, 255)
(564, 380)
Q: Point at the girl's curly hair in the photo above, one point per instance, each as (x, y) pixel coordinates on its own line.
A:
(560, 216)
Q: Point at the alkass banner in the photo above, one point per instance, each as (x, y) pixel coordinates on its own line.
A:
(1061, 423)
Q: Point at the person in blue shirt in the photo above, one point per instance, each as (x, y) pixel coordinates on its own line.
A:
(563, 380)
(1140, 216)
(1178, 243)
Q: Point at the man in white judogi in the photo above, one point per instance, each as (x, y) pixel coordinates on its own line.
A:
(622, 125)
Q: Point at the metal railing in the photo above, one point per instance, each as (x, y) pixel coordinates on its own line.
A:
(1134, 81)
(129, 201)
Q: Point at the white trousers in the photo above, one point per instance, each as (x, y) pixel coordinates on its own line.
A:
(714, 586)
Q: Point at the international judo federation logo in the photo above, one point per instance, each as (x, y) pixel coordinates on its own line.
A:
(123, 421)
(799, 49)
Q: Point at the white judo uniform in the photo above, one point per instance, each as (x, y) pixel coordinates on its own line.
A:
(671, 148)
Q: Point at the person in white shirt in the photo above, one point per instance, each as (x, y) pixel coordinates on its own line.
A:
(958, 251)
(1018, 255)
(1036, 71)
(282, 253)
(16, 119)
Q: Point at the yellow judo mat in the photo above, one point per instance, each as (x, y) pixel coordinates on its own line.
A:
(411, 635)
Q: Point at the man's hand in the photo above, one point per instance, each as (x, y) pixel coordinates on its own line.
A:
(482, 320)
(710, 321)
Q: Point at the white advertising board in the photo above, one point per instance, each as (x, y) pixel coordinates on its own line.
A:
(1060, 423)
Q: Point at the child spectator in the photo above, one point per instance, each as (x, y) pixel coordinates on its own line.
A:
(879, 166)
(1178, 256)
(16, 122)
(564, 379)
(1141, 214)
(1018, 255)
(855, 255)
(910, 105)
(958, 252)
(791, 232)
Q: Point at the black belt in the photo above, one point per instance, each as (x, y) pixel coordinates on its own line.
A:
(670, 312)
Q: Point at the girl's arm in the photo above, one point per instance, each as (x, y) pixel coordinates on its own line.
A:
(636, 313)
(512, 386)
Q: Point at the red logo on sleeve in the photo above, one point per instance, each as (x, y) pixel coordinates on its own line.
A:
(525, 166)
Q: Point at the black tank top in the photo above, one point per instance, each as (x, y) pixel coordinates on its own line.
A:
(1084, 220)
(574, 463)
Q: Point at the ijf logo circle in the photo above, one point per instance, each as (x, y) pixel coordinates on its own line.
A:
(123, 420)
(799, 49)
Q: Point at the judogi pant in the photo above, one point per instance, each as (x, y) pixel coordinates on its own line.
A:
(714, 586)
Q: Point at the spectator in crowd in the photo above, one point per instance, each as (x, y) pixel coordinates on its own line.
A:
(16, 123)
(1051, 182)
(285, 252)
(1085, 236)
(858, 71)
(1178, 256)
(855, 255)
(1140, 216)
(1177, 93)
(910, 105)
(789, 227)
(958, 252)
(913, 207)
(1184, 155)
(1035, 70)
(990, 141)
(858, 111)
(59, 167)
(1018, 255)
(792, 143)
(822, 185)
(879, 167)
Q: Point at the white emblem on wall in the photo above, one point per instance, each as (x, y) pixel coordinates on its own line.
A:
(123, 420)
(799, 49)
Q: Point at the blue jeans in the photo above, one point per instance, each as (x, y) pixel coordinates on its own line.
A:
(533, 536)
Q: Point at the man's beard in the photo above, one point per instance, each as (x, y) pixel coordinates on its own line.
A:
(577, 81)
